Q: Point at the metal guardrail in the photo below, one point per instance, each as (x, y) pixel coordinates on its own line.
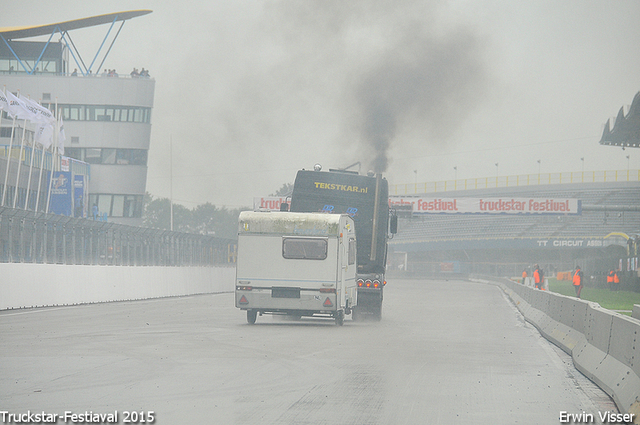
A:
(516, 181)
(29, 237)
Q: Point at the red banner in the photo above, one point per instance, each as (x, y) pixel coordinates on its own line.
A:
(433, 205)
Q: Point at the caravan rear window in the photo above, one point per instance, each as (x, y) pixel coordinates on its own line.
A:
(304, 248)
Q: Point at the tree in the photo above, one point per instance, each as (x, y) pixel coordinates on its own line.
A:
(205, 219)
(285, 190)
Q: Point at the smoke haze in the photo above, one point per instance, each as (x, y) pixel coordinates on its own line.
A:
(249, 92)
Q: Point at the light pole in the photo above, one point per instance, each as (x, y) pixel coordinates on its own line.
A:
(455, 177)
(582, 159)
(539, 161)
(496, 174)
(415, 172)
(627, 167)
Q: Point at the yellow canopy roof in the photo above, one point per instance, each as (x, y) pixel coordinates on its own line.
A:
(12, 33)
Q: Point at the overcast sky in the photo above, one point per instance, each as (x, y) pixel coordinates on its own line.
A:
(251, 91)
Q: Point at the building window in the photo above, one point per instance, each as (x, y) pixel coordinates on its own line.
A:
(108, 156)
(93, 156)
(116, 205)
(104, 113)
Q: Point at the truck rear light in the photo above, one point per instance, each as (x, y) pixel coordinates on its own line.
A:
(244, 288)
(367, 283)
(328, 290)
(360, 282)
(376, 283)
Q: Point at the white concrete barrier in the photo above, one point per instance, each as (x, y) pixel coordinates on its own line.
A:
(604, 345)
(36, 285)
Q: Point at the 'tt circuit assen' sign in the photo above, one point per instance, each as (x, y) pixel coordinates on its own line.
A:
(488, 205)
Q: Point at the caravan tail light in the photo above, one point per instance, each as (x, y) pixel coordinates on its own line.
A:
(328, 290)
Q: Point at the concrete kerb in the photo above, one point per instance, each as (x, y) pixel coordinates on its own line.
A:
(604, 345)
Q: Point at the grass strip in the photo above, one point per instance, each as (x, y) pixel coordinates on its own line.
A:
(611, 300)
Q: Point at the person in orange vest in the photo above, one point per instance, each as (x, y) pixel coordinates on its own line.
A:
(616, 279)
(538, 277)
(610, 279)
(577, 281)
(524, 276)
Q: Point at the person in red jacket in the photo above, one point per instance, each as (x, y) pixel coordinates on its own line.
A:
(577, 281)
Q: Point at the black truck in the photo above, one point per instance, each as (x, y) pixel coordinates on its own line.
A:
(366, 199)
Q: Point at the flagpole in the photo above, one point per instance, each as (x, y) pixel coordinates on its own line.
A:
(24, 130)
(56, 136)
(6, 174)
(40, 179)
(33, 151)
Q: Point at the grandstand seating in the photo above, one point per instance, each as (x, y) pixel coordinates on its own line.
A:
(607, 208)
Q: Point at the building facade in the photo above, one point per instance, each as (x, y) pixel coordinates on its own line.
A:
(107, 121)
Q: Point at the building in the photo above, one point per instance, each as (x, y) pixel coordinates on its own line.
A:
(107, 117)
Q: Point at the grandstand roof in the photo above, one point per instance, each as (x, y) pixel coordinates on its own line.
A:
(626, 129)
(12, 33)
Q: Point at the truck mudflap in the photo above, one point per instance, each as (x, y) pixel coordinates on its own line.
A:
(369, 305)
(370, 295)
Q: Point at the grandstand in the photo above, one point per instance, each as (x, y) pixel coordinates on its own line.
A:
(604, 232)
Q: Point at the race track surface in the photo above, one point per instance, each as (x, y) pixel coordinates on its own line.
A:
(445, 352)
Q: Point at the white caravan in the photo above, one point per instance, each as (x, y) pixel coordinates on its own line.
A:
(298, 264)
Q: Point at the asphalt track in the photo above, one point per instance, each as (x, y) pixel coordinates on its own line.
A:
(445, 352)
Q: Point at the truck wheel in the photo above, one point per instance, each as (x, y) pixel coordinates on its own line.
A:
(251, 316)
(355, 314)
(340, 318)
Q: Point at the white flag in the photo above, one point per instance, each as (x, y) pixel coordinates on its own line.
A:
(42, 114)
(44, 135)
(4, 103)
(18, 109)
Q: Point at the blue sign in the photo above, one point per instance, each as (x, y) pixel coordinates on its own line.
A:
(61, 193)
